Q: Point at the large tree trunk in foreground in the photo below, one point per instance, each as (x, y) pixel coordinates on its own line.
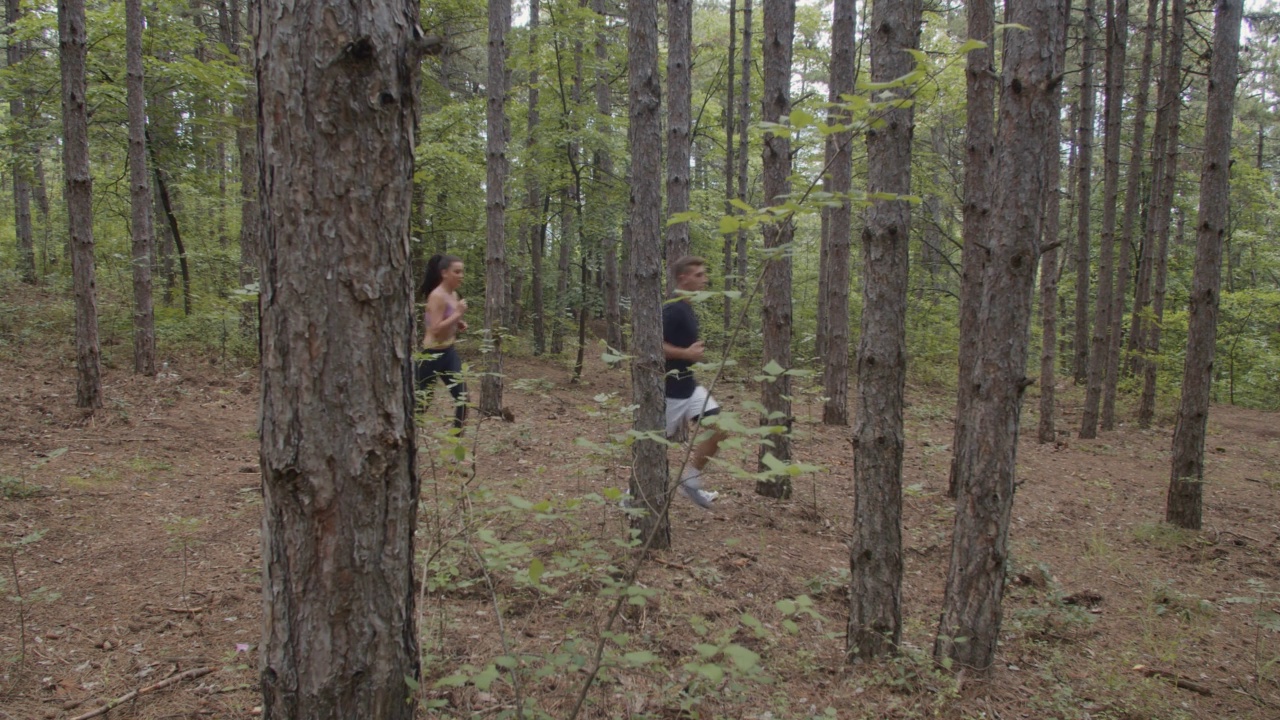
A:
(775, 320)
(73, 44)
(144, 331)
(648, 368)
(1099, 349)
(1186, 483)
(833, 283)
(339, 489)
(495, 256)
(971, 612)
(980, 99)
(875, 562)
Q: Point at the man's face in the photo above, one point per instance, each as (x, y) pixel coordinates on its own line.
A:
(693, 279)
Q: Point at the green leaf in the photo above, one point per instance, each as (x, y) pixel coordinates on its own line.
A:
(640, 657)
(536, 569)
(786, 607)
(801, 118)
(412, 683)
(454, 680)
(742, 657)
(706, 650)
(1010, 26)
(773, 368)
(682, 217)
(712, 672)
(519, 503)
(729, 224)
(486, 677)
(969, 46)
(460, 452)
(506, 662)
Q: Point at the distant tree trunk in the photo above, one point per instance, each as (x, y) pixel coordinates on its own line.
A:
(730, 167)
(875, 563)
(1186, 483)
(779, 28)
(604, 183)
(19, 164)
(1049, 301)
(1049, 270)
(649, 462)
(340, 493)
(562, 273)
(247, 144)
(537, 228)
(495, 300)
(144, 330)
(72, 46)
(979, 549)
(679, 110)
(1133, 187)
(980, 95)
(1117, 32)
(1084, 195)
(166, 204)
(833, 283)
(1164, 147)
(744, 138)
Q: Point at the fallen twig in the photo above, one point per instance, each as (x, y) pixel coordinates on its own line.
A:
(188, 611)
(111, 704)
(1178, 680)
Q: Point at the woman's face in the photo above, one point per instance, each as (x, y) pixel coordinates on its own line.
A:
(451, 278)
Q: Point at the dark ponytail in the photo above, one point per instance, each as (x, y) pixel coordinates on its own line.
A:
(435, 272)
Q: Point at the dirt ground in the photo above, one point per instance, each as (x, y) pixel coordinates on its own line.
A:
(132, 536)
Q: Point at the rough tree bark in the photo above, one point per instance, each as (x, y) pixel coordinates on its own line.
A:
(1049, 270)
(679, 112)
(980, 97)
(775, 317)
(979, 549)
(744, 142)
(875, 552)
(730, 167)
(1117, 31)
(337, 451)
(144, 330)
(1084, 195)
(247, 145)
(72, 47)
(495, 257)
(833, 282)
(649, 463)
(1186, 483)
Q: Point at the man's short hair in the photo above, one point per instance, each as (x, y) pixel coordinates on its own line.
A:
(685, 264)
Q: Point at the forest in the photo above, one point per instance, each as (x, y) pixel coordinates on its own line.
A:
(223, 497)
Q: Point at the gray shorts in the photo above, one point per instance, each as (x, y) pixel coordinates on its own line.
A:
(681, 411)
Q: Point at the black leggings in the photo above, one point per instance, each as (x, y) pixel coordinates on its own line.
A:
(446, 365)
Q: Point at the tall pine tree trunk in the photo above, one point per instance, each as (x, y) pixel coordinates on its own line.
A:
(833, 283)
(495, 259)
(1164, 176)
(1133, 187)
(339, 488)
(971, 614)
(536, 228)
(875, 561)
(775, 327)
(72, 47)
(1084, 195)
(744, 139)
(604, 183)
(1186, 483)
(730, 167)
(1117, 32)
(648, 368)
(144, 331)
(250, 215)
(679, 112)
(980, 96)
(19, 162)
(1049, 270)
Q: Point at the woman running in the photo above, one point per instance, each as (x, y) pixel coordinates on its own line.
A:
(442, 322)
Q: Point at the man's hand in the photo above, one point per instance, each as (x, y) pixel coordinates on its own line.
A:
(695, 351)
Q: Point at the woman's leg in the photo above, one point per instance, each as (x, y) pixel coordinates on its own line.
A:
(451, 373)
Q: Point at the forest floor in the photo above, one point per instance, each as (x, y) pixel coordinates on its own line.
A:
(132, 537)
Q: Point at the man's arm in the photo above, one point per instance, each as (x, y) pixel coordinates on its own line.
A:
(693, 353)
